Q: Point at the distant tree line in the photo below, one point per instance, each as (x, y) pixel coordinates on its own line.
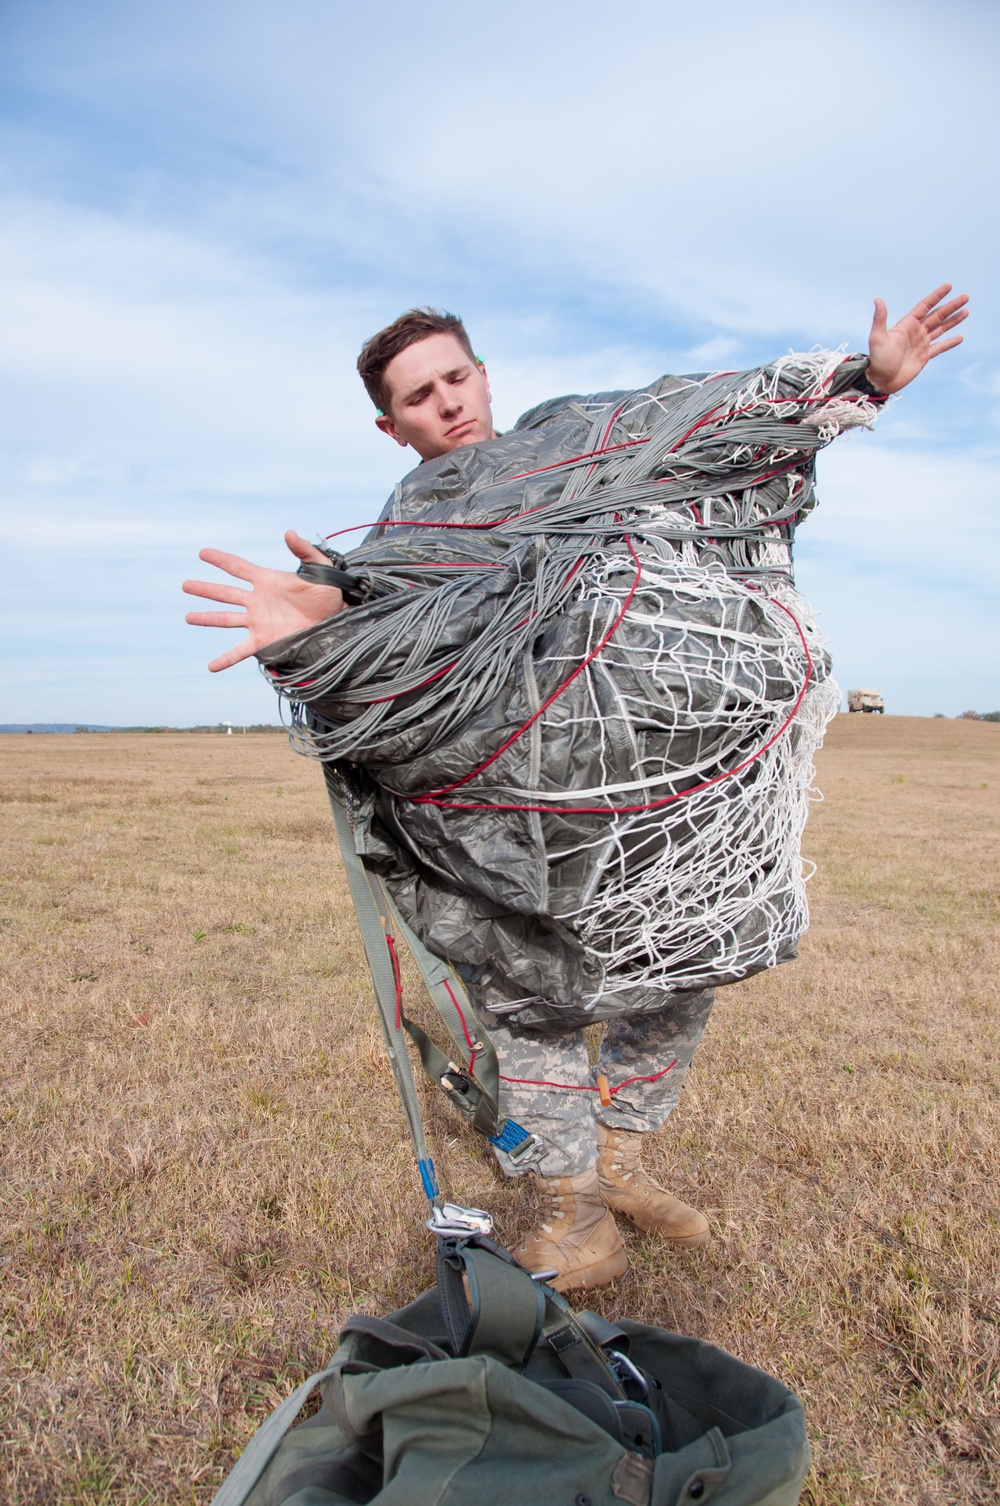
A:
(220, 727)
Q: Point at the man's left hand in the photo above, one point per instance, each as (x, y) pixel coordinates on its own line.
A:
(899, 354)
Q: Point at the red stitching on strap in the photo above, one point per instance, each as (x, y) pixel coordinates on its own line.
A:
(465, 1029)
(391, 944)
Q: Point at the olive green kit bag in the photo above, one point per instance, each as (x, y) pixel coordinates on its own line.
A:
(488, 1389)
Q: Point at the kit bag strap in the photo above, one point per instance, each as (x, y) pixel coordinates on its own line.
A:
(257, 1455)
(401, 1339)
(581, 1358)
(504, 1311)
(606, 1335)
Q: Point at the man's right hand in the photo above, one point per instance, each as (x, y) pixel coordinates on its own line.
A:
(280, 602)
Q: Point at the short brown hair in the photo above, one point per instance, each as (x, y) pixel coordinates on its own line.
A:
(414, 325)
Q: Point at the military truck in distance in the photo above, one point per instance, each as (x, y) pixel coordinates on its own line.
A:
(865, 700)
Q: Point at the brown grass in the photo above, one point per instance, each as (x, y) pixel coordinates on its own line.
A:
(206, 1169)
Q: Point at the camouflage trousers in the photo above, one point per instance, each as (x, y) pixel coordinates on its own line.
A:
(548, 1086)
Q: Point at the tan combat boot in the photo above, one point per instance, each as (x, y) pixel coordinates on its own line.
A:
(627, 1189)
(576, 1236)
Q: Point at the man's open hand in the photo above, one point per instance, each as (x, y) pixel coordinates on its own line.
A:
(899, 354)
(279, 603)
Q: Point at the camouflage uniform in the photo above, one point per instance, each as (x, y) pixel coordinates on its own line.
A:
(565, 1118)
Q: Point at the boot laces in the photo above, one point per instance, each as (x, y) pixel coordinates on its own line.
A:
(554, 1210)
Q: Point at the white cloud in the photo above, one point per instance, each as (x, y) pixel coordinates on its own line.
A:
(141, 350)
(925, 516)
(759, 169)
(210, 205)
(902, 559)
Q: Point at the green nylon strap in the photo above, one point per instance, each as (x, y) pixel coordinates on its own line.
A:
(581, 1358)
(374, 906)
(263, 1445)
(380, 962)
(509, 1309)
(449, 996)
(474, 1105)
(602, 1333)
(500, 1312)
(399, 1339)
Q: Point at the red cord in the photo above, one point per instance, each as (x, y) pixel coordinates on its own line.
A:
(465, 1029)
(391, 944)
(397, 693)
(446, 788)
(520, 476)
(802, 402)
(615, 810)
(605, 449)
(576, 1087)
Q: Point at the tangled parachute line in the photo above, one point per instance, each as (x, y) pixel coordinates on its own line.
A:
(597, 668)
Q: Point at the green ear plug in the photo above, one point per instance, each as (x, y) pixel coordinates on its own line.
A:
(379, 413)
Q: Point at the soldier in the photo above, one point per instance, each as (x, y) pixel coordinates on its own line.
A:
(432, 393)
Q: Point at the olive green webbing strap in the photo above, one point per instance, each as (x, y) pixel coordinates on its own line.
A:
(471, 1078)
(264, 1444)
(490, 1305)
(371, 922)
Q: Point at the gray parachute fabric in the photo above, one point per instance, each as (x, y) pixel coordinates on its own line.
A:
(577, 706)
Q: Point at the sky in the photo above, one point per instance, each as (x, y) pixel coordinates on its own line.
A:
(207, 205)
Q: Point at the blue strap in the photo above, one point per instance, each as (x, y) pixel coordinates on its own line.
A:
(510, 1137)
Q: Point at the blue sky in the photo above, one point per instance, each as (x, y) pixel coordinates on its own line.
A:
(207, 205)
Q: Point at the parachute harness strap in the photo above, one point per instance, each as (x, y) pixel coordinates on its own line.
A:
(474, 1086)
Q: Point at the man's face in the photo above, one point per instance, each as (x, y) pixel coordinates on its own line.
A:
(439, 398)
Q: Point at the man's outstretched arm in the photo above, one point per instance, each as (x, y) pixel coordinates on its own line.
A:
(897, 355)
(282, 603)
(279, 603)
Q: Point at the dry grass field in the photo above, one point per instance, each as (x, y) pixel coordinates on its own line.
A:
(205, 1169)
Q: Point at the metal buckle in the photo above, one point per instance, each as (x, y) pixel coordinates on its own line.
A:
(529, 1149)
(627, 1371)
(453, 1220)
